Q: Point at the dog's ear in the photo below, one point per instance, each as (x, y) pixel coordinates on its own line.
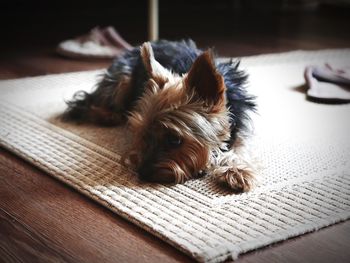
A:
(154, 69)
(205, 80)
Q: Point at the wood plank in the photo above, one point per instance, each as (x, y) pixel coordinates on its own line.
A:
(43, 220)
(42, 61)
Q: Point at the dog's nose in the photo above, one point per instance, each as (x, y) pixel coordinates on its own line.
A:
(145, 172)
(149, 174)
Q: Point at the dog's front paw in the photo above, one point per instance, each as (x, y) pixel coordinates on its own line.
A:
(239, 180)
(233, 171)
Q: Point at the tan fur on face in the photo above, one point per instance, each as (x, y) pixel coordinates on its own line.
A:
(193, 107)
(182, 163)
(177, 109)
(181, 103)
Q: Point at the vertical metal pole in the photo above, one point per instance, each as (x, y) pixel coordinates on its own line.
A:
(153, 22)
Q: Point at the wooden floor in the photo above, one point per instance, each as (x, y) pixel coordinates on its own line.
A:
(43, 220)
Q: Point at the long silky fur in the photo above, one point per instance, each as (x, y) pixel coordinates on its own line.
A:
(147, 87)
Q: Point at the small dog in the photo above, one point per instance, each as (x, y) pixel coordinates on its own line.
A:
(186, 112)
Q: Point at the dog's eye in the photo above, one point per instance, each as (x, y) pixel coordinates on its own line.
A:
(173, 140)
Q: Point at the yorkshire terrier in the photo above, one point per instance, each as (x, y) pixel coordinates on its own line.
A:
(188, 114)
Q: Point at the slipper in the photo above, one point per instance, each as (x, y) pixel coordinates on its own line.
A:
(328, 84)
(113, 36)
(98, 43)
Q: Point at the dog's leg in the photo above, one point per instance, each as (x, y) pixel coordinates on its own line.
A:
(105, 105)
(233, 170)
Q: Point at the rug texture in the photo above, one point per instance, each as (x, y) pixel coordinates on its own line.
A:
(302, 149)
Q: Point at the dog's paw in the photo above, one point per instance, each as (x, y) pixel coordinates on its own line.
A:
(233, 171)
(237, 179)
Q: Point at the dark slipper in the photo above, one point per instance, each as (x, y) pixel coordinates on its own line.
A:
(327, 84)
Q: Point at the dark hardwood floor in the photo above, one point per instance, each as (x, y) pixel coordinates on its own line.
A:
(43, 220)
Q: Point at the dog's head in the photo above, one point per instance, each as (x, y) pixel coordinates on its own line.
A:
(179, 120)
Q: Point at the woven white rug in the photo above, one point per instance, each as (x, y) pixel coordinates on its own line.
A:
(303, 149)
